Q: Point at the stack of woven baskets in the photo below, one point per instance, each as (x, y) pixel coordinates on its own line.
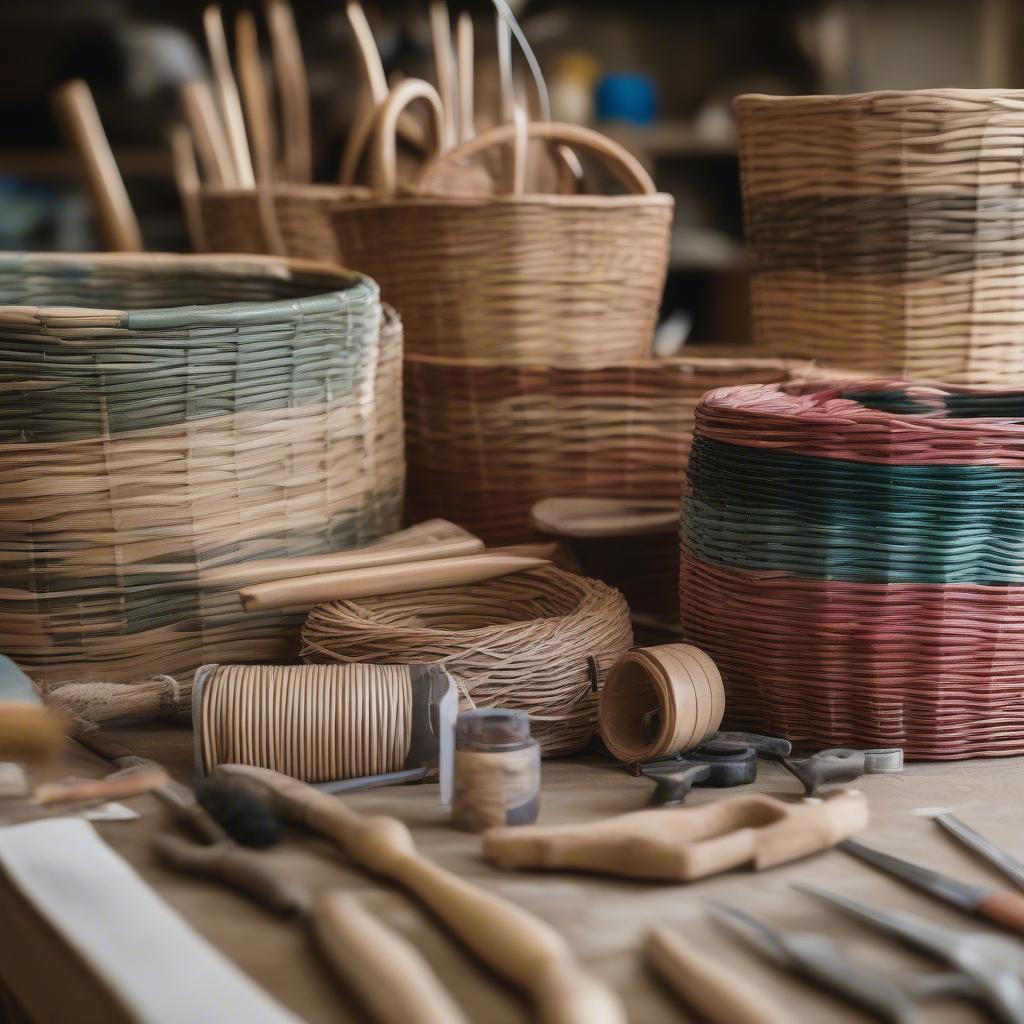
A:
(171, 416)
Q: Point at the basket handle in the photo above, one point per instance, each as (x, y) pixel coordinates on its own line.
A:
(385, 171)
(625, 167)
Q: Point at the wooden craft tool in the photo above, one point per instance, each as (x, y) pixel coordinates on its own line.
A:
(683, 844)
(984, 967)
(308, 591)
(293, 91)
(28, 729)
(80, 122)
(991, 903)
(518, 946)
(120, 785)
(703, 982)
(1007, 864)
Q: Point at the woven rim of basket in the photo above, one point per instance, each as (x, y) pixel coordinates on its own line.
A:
(470, 202)
(893, 100)
(329, 192)
(336, 281)
(668, 363)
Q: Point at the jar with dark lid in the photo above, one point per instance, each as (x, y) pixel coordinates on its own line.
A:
(497, 770)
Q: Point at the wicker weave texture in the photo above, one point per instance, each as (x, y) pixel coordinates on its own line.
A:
(538, 641)
(853, 560)
(524, 279)
(884, 230)
(171, 415)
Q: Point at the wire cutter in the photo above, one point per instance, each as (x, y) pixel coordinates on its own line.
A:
(982, 966)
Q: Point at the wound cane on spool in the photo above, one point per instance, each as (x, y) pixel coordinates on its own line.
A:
(659, 701)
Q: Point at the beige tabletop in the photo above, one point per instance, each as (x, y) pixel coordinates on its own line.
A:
(604, 919)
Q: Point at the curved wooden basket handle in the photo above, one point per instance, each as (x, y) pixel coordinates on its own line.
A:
(385, 159)
(625, 168)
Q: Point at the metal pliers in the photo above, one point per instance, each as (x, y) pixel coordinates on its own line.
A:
(981, 966)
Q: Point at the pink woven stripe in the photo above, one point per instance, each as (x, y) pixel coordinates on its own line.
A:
(808, 420)
(938, 670)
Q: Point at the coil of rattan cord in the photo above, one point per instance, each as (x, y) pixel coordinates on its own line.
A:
(537, 641)
(659, 701)
(321, 723)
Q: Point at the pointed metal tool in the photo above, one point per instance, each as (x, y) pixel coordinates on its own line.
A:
(992, 903)
(820, 960)
(987, 967)
(1008, 865)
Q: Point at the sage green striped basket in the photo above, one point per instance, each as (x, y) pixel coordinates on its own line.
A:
(165, 417)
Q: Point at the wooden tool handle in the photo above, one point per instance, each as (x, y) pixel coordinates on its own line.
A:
(132, 781)
(514, 943)
(1005, 908)
(720, 995)
(80, 122)
(251, 873)
(29, 731)
(309, 591)
(389, 975)
(619, 162)
(385, 157)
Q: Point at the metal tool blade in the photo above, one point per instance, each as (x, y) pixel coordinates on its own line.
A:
(1009, 866)
(754, 932)
(960, 894)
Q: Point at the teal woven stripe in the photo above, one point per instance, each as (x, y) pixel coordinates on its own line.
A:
(953, 405)
(827, 519)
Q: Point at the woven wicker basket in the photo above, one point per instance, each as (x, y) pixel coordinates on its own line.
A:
(521, 278)
(540, 641)
(853, 560)
(883, 230)
(486, 440)
(170, 415)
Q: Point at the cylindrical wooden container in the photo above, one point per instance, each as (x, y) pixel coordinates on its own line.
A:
(883, 230)
(853, 560)
(659, 701)
(168, 416)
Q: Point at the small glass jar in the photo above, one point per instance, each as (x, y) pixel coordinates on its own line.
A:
(497, 770)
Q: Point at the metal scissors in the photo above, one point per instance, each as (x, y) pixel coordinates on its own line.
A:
(981, 966)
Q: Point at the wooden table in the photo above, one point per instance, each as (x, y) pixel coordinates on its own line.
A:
(604, 919)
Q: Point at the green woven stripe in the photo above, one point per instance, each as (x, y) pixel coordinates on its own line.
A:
(955, 406)
(182, 353)
(828, 519)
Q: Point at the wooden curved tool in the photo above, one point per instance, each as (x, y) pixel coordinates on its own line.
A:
(514, 943)
(682, 844)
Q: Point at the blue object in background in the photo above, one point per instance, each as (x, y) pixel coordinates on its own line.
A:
(627, 97)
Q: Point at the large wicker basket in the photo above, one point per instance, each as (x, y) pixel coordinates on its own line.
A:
(171, 415)
(884, 230)
(853, 560)
(486, 440)
(524, 278)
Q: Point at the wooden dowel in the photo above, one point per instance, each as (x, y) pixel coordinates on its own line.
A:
(444, 67)
(464, 54)
(258, 115)
(80, 122)
(293, 88)
(227, 94)
(208, 132)
(186, 178)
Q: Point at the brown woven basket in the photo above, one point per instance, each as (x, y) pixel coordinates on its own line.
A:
(540, 641)
(170, 416)
(884, 229)
(486, 440)
(524, 278)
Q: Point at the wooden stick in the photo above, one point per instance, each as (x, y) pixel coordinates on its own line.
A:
(83, 131)
(118, 786)
(293, 88)
(227, 93)
(258, 115)
(444, 67)
(306, 592)
(186, 178)
(208, 132)
(464, 55)
(518, 946)
(373, 69)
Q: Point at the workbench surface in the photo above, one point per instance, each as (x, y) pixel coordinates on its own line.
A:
(604, 919)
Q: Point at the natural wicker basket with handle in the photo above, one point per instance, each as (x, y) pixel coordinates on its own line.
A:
(166, 417)
(884, 230)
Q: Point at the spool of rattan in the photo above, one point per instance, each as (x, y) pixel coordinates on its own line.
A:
(538, 641)
(323, 723)
(883, 230)
(178, 415)
(660, 701)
